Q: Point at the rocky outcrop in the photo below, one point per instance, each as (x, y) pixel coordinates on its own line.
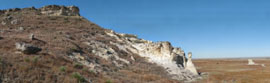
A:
(250, 62)
(27, 48)
(32, 36)
(123, 57)
(51, 10)
(9, 10)
(263, 65)
(55, 10)
(162, 53)
(10, 20)
(190, 66)
(105, 51)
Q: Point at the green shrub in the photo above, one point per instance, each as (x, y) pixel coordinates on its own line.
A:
(92, 71)
(78, 66)
(52, 18)
(35, 59)
(78, 76)
(85, 69)
(79, 19)
(108, 81)
(62, 68)
(65, 18)
(27, 60)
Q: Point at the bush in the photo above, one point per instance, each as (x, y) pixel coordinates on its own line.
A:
(62, 68)
(27, 60)
(65, 18)
(52, 18)
(108, 81)
(79, 77)
(92, 71)
(78, 66)
(35, 59)
(85, 69)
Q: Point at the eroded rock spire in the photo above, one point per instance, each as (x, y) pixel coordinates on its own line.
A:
(190, 66)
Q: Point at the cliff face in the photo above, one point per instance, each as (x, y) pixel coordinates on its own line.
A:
(55, 44)
(162, 53)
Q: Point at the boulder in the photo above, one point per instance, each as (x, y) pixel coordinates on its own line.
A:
(3, 23)
(27, 48)
(20, 29)
(14, 22)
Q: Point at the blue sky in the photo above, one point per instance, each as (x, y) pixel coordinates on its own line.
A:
(208, 28)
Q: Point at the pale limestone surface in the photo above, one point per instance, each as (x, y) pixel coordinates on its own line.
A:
(263, 65)
(27, 48)
(250, 62)
(190, 66)
(162, 53)
(55, 10)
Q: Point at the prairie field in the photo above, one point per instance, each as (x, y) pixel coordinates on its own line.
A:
(233, 71)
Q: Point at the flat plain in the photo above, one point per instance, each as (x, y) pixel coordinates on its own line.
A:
(233, 70)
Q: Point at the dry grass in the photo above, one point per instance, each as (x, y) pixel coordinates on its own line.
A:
(38, 68)
(233, 71)
(56, 36)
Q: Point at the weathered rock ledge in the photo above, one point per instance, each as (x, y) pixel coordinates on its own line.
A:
(173, 59)
(51, 10)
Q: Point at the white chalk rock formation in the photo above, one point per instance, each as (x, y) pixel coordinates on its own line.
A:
(250, 62)
(263, 65)
(190, 66)
(55, 10)
(27, 48)
(162, 53)
(32, 36)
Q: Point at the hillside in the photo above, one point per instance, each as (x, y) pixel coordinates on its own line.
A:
(54, 44)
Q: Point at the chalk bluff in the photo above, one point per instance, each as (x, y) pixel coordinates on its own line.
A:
(35, 42)
(173, 59)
